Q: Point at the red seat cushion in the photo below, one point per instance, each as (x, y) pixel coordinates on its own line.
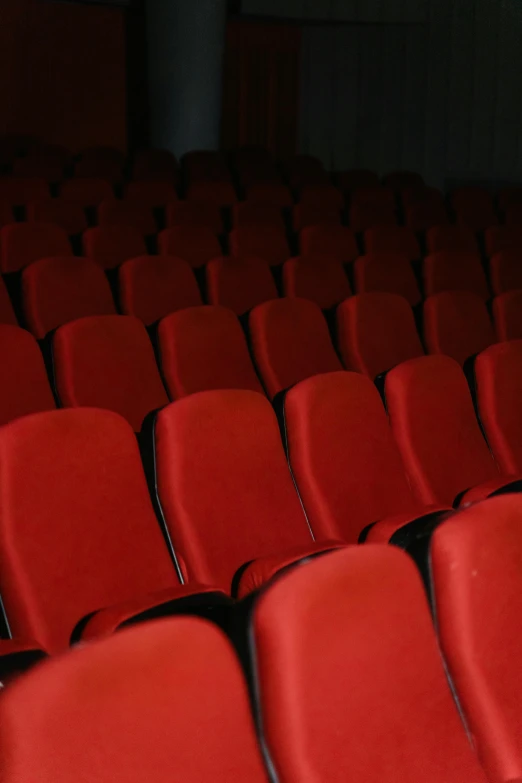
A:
(23, 243)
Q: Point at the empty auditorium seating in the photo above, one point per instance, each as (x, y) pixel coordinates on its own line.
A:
(129, 213)
(454, 271)
(451, 238)
(433, 420)
(364, 216)
(305, 170)
(110, 246)
(457, 324)
(392, 239)
(20, 190)
(337, 699)
(207, 166)
(374, 196)
(376, 331)
(239, 283)
(274, 193)
(6, 214)
(330, 240)
(476, 587)
(36, 168)
(220, 193)
(99, 168)
(505, 271)
(23, 243)
(357, 178)
(247, 213)
(25, 387)
(154, 165)
(319, 278)
(51, 721)
(87, 192)
(204, 348)
(507, 315)
(154, 194)
(498, 375)
(196, 244)
(312, 214)
(260, 242)
(60, 289)
(290, 342)
(425, 215)
(66, 214)
(500, 238)
(7, 315)
(108, 362)
(389, 272)
(473, 207)
(507, 197)
(343, 457)
(194, 213)
(78, 533)
(151, 287)
(422, 194)
(322, 195)
(226, 490)
(401, 180)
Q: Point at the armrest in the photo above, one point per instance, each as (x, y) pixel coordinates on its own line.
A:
(382, 532)
(499, 486)
(181, 599)
(16, 656)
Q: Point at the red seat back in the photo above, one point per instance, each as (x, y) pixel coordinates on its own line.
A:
(457, 324)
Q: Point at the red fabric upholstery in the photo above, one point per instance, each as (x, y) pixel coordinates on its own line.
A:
(426, 215)
(239, 283)
(400, 180)
(208, 166)
(422, 195)
(514, 215)
(155, 165)
(392, 239)
(388, 272)
(505, 271)
(6, 214)
(332, 240)
(128, 213)
(322, 195)
(251, 213)
(220, 193)
(500, 238)
(451, 239)
(475, 568)
(7, 315)
(306, 170)
(77, 530)
(154, 194)
(92, 168)
(110, 246)
(269, 193)
(164, 697)
(376, 331)
(319, 278)
(343, 457)
(433, 421)
(195, 213)
(364, 216)
(195, 244)
(260, 242)
(507, 315)
(483, 491)
(349, 676)
(454, 271)
(374, 196)
(290, 342)
(498, 374)
(151, 287)
(508, 196)
(108, 362)
(312, 214)
(383, 531)
(31, 167)
(23, 243)
(20, 190)
(60, 289)
(357, 178)
(224, 485)
(474, 208)
(204, 348)
(457, 324)
(25, 387)
(66, 214)
(87, 192)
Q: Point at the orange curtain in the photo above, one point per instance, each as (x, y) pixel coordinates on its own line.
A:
(261, 86)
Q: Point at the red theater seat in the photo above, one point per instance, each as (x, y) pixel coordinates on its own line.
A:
(7, 315)
(151, 287)
(99, 168)
(355, 179)
(392, 239)
(312, 214)
(507, 315)
(477, 597)
(110, 246)
(505, 271)
(338, 700)
(129, 213)
(290, 342)
(206, 165)
(6, 214)
(60, 289)
(204, 348)
(454, 271)
(146, 724)
(25, 387)
(376, 331)
(38, 168)
(319, 278)
(194, 213)
(86, 192)
(20, 190)
(23, 243)
(248, 213)
(78, 532)
(448, 238)
(457, 324)
(506, 197)
(195, 244)
(153, 194)
(474, 208)
(330, 240)
(239, 283)
(374, 196)
(365, 216)
(108, 362)
(322, 195)
(425, 215)
(260, 242)
(498, 376)
(388, 272)
(226, 491)
(273, 193)
(305, 170)
(220, 193)
(155, 165)
(433, 420)
(343, 456)
(401, 180)
(66, 214)
(498, 239)
(421, 194)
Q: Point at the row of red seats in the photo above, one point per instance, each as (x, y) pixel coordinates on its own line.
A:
(378, 694)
